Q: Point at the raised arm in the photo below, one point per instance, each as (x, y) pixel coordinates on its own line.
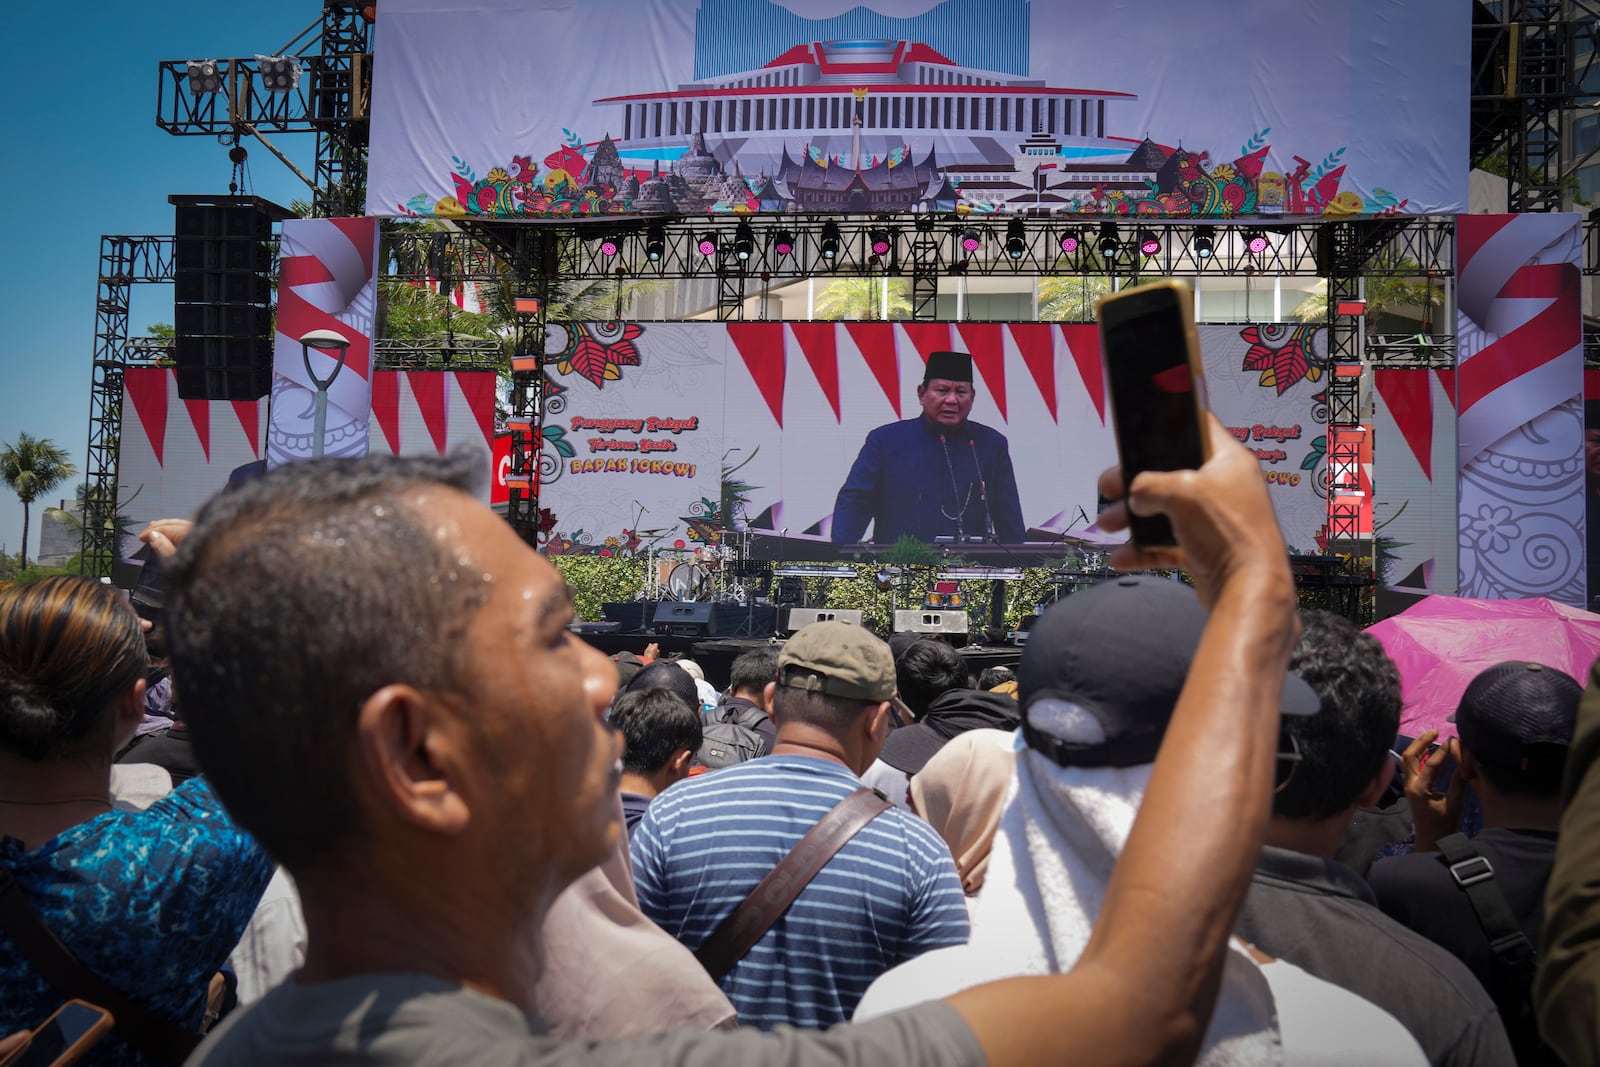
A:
(1143, 991)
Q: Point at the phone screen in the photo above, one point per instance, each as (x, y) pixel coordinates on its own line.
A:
(59, 1033)
(1154, 395)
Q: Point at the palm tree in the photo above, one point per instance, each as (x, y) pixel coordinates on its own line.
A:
(1386, 295)
(32, 466)
(863, 298)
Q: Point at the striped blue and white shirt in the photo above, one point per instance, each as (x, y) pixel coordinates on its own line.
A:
(891, 894)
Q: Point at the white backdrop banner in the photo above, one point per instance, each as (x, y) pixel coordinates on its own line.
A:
(1163, 108)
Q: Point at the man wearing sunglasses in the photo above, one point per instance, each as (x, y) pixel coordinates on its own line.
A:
(1315, 912)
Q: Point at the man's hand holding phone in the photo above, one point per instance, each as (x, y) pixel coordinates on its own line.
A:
(1221, 514)
(1433, 814)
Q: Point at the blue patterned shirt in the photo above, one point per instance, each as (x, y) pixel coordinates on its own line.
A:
(152, 901)
(891, 894)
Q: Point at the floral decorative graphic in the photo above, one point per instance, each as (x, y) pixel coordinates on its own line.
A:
(1493, 528)
(1283, 354)
(597, 352)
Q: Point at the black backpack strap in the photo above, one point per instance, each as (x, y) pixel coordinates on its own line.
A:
(158, 1039)
(1475, 875)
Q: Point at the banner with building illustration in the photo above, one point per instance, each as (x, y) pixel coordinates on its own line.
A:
(665, 434)
(1174, 109)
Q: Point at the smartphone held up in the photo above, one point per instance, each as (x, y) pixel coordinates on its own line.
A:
(1156, 385)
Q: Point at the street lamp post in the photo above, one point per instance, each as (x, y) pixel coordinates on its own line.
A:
(327, 341)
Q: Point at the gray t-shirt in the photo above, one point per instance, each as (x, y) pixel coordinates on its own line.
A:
(385, 1020)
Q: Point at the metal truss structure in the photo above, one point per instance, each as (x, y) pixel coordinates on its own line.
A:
(330, 100)
(1530, 62)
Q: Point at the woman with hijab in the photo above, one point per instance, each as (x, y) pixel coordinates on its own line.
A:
(149, 902)
(961, 793)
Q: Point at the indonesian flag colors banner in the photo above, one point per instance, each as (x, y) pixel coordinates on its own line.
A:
(1414, 451)
(327, 281)
(1519, 390)
(427, 411)
(176, 453)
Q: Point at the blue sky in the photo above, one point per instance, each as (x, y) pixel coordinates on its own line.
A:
(85, 158)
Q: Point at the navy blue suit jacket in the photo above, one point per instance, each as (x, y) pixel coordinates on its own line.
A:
(913, 478)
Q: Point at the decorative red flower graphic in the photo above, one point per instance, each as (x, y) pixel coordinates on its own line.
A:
(599, 353)
(1281, 355)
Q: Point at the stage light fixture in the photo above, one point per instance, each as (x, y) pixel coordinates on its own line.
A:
(608, 247)
(279, 74)
(1149, 243)
(655, 242)
(205, 76)
(707, 245)
(744, 239)
(880, 242)
(1255, 241)
(1203, 245)
(829, 244)
(783, 243)
(1110, 244)
(1070, 241)
(1016, 239)
(971, 239)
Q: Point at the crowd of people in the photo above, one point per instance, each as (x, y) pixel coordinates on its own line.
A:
(309, 812)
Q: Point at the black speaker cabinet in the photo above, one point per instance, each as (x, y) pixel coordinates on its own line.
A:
(685, 618)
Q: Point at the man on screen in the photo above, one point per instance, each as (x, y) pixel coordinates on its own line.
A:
(938, 475)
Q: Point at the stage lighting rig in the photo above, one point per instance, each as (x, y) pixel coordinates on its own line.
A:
(707, 245)
(1149, 243)
(971, 238)
(783, 243)
(1110, 244)
(1016, 239)
(1070, 240)
(279, 74)
(655, 242)
(1255, 241)
(744, 240)
(880, 242)
(205, 76)
(829, 244)
(608, 247)
(1203, 245)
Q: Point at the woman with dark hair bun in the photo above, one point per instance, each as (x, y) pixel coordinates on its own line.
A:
(150, 901)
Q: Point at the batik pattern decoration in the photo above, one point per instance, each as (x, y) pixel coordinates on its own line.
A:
(327, 282)
(1519, 392)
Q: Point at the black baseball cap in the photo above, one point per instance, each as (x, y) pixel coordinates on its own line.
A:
(1514, 706)
(1103, 669)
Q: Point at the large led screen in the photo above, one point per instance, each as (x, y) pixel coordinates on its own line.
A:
(822, 440)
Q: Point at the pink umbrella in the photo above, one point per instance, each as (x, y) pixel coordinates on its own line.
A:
(1441, 643)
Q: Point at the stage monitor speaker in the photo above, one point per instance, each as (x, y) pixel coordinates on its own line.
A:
(685, 618)
(930, 621)
(799, 617)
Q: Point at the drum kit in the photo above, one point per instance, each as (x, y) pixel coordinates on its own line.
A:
(721, 573)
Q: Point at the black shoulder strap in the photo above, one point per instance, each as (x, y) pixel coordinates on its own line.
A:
(1475, 875)
(736, 935)
(162, 1041)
